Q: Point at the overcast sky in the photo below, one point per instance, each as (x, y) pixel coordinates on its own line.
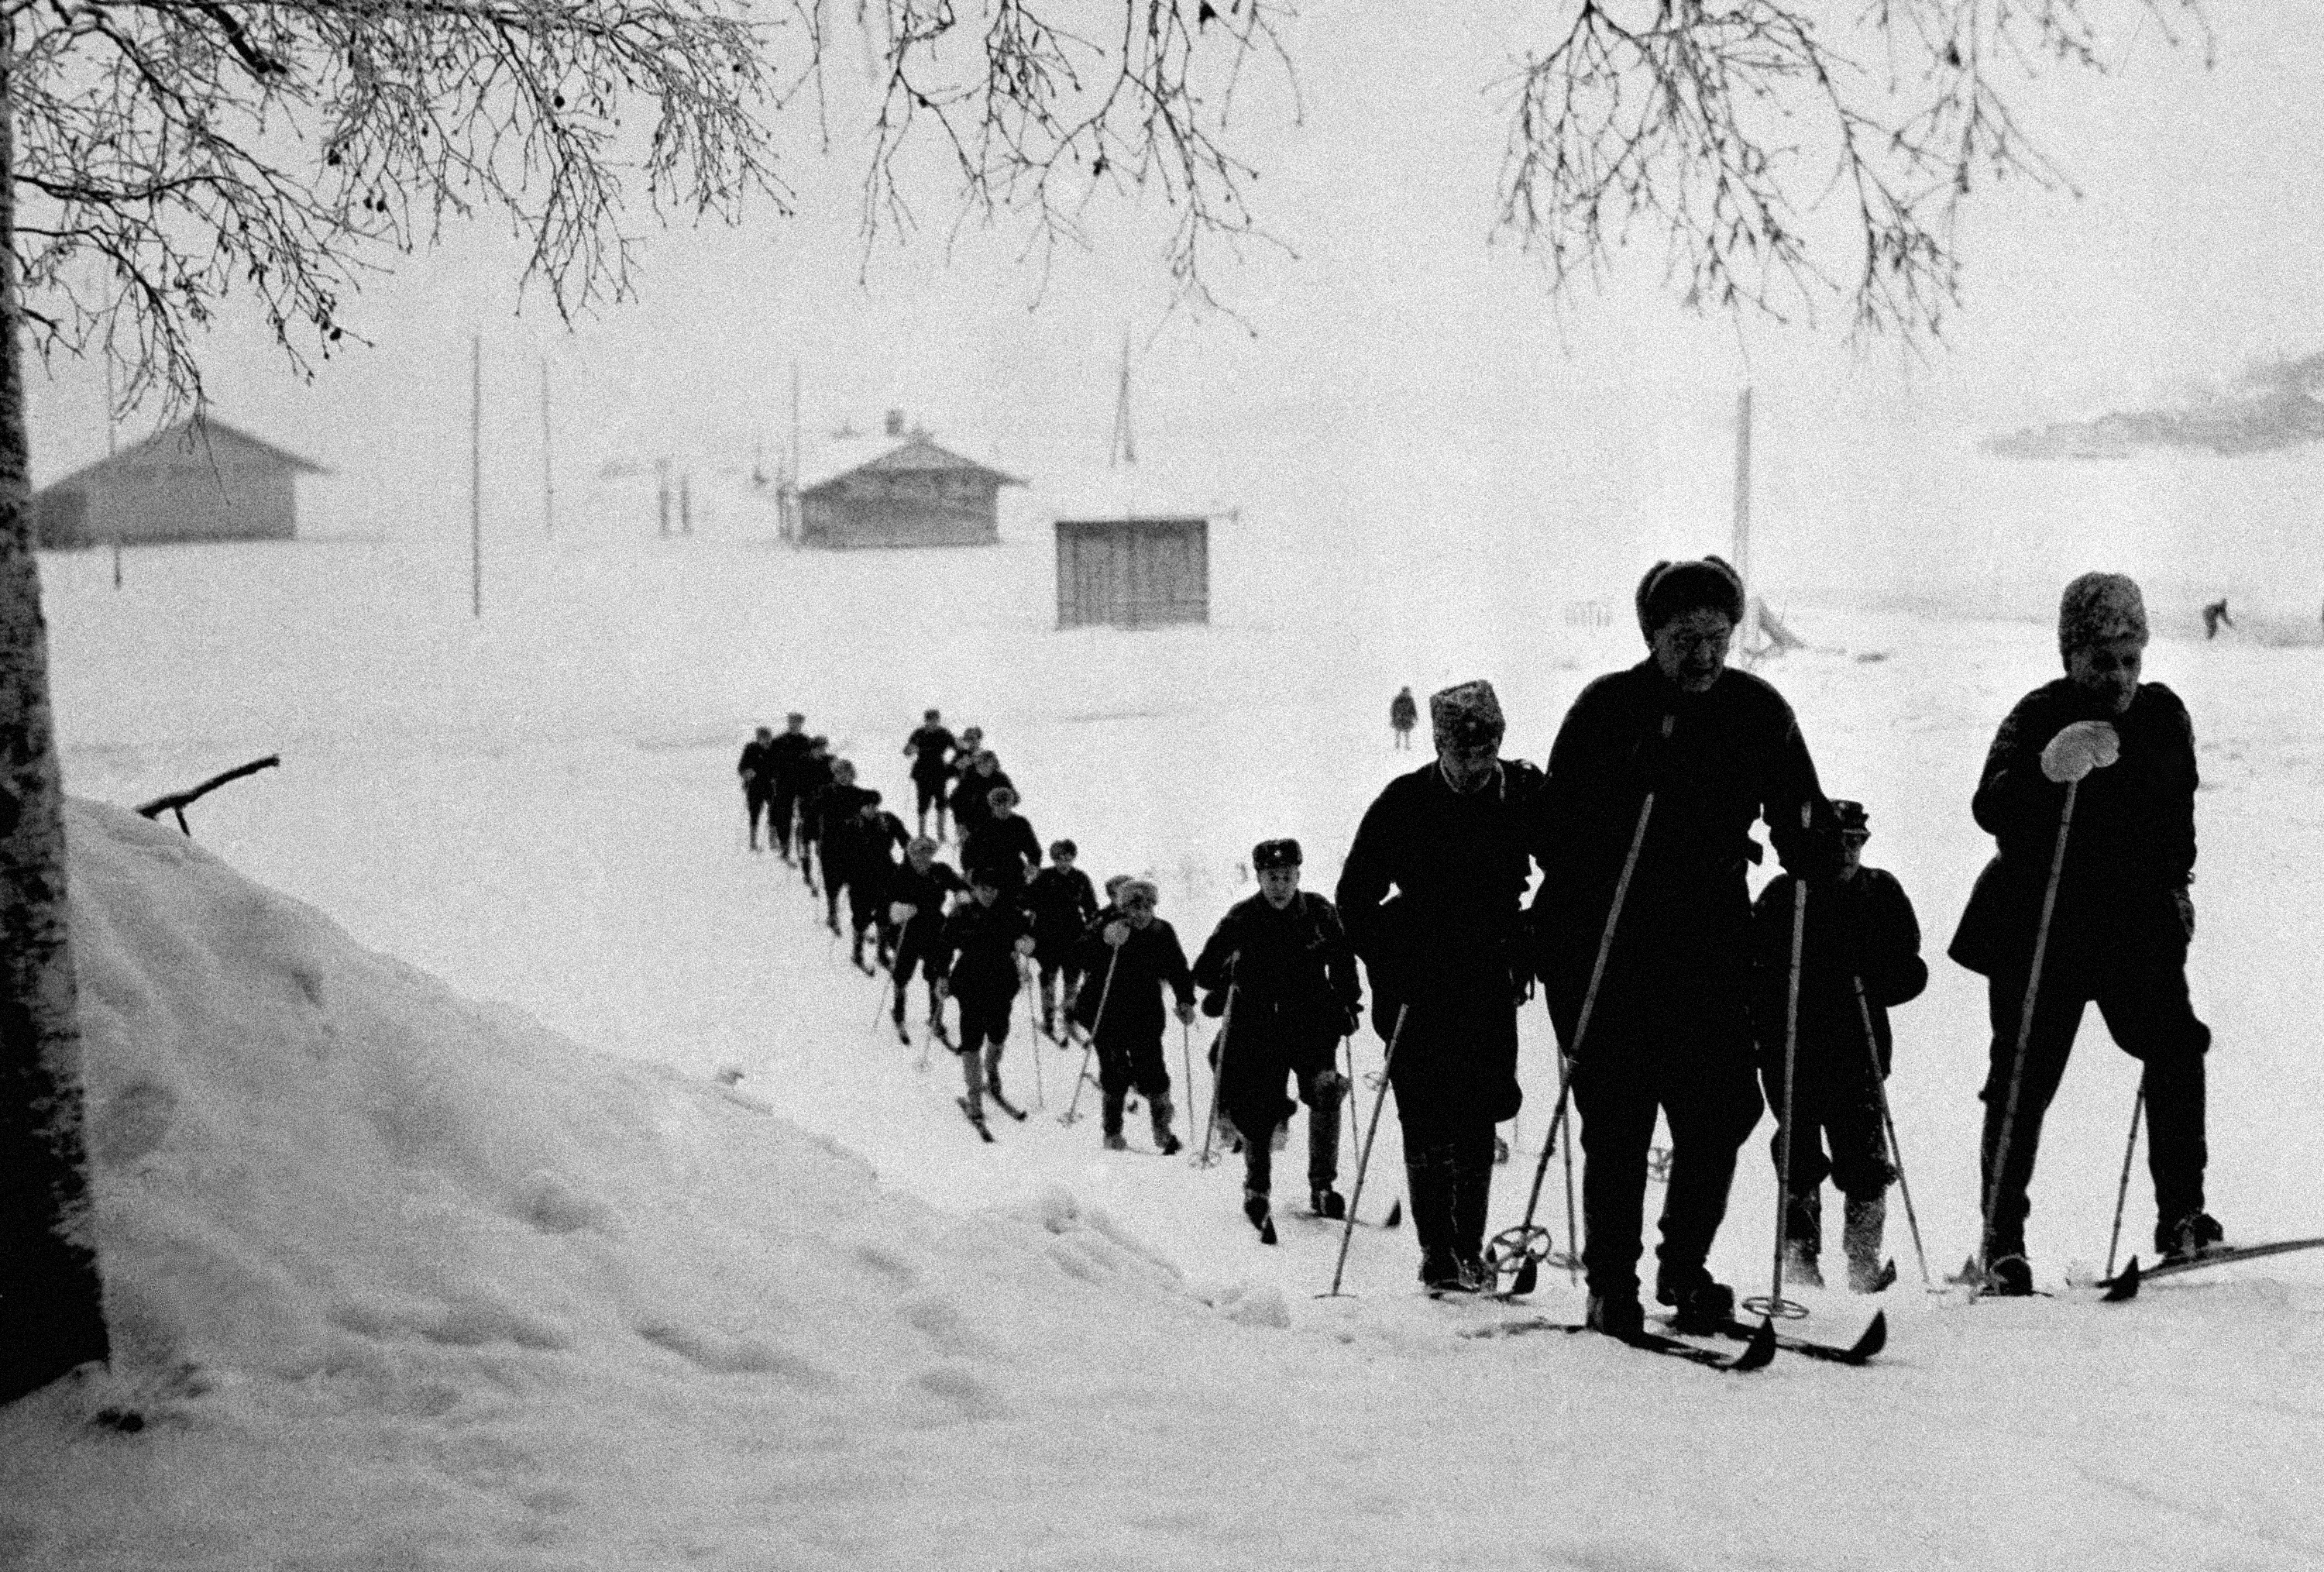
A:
(1389, 339)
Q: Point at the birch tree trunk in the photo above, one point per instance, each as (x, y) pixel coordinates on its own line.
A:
(51, 1303)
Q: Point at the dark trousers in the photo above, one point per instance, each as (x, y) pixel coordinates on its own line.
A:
(931, 794)
(2151, 1018)
(1836, 1131)
(782, 805)
(1448, 1176)
(912, 947)
(1322, 1091)
(756, 803)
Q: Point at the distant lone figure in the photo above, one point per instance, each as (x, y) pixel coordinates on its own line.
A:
(2215, 618)
(1403, 715)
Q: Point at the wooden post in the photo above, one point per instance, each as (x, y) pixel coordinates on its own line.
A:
(685, 503)
(477, 476)
(661, 495)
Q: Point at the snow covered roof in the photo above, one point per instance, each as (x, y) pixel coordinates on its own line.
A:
(918, 454)
(210, 435)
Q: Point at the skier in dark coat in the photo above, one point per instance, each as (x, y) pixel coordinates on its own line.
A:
(1669, 1023)
(972, 795)
(1131, 960)
(1063, 905)
(930, 748)
(784, 755)
(814, 773)
(757, 769)
(1002, 844)
(1281, 960)
(1455, 841)
(1861, 935)
(982, 962)
(823, 817)
(1403, 715)
(2119, 928)
(916, 893)
(863, 847)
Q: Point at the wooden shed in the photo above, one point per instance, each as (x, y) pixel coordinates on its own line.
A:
(917, 494)
(191, 482)
(1133, 573)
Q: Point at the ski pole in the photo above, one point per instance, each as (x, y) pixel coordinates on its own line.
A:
(1364, 1156)
(1089, 1041)
(1518, 1244)
(2122, 1191)
(1032, 1025)
(1186, 1055)
(1560, 1130)
(2024, 1036)
(1888, 1121)
(1775, 1304)
(1217, 1070)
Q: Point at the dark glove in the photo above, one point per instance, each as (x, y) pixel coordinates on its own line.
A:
(1215, 1005)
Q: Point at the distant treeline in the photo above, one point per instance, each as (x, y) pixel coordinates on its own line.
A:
(2276, 404)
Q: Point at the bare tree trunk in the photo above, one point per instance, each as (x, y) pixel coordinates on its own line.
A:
(51, 1302)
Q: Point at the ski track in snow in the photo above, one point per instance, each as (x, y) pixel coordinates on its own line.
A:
(410, 1281)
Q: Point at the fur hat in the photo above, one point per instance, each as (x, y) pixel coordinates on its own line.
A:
(1002, 796)
(1850, 817)
(1466, 715)
(1670, 590)
(1275, 853)
(1063, 848)
(1146, 887)
(2098, 608)
(921, 843)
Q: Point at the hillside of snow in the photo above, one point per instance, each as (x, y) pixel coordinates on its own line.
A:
(530, 1182)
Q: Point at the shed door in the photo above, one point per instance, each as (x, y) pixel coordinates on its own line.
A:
(1094, 579)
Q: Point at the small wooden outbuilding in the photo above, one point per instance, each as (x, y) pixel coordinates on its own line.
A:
(916, 494)
(203, 481)
(1133, 573)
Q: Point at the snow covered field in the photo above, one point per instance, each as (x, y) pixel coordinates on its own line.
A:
(491, 1272)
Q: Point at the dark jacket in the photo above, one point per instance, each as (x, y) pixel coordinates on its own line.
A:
(931, 749)
(1291, 980)
(967, 802)
(1730, 757)
(1062, 902)
(924, 892)
(1403, 714)
(785, 754)
(864, 850)
(978, 953)
(1865, 928)
(1004, 848)
(1449, 943)
(2130, 848)
(809, 778)
(1149, 961)
(827, 807)
(757, 766)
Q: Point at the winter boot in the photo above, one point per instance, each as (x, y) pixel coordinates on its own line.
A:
(855, 951)
(1617, 1315)
(2187, 1238)
(1800, 1268)
(2009, 1277)
(1861, 1240)
(1110, 1111)
(1327, 1202)
(1164, 1142)
(1699, 1305)
(1255, 1207)
(1472, 1189)
(992, 1073)
(1429, 1181)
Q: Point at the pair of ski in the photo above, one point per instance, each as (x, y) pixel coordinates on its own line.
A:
(1760, 1343)
(2125, 1286)
(975, 1116)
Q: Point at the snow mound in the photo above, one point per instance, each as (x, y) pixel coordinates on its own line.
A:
(345, 1213)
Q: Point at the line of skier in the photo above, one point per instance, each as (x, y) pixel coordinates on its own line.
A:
(1670, 992)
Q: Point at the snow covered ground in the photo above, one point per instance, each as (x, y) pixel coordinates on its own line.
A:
(436, 1242)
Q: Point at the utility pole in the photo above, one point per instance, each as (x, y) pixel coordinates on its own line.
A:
(477, 478)
(1121, 447)
(109, 445)
(548, 467)
(661, 495)
(685, 502)
(788, 502)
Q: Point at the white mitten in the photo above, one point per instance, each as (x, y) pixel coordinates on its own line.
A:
(2080, 748)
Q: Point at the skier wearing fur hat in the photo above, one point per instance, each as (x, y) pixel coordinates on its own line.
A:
(1129, 960)
(1656, 776)
(1282, 960)
(1002, 843)
(1454, 841)
(1860, 955)
(2118, 925)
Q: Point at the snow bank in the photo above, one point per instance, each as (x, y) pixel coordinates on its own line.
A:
(374, 1250)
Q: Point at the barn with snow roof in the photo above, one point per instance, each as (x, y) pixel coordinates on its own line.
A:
(194, 481)
(917, 493)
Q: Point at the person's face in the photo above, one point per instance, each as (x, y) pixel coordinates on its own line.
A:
(2108, 672)
(986, 894)
(986, 763)
(1001, 810)
(1692, 649)
(1468, 765)
(1139, 906)
(920, 857)
(1279, 885)
(1851, 852)
(1064, 861)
